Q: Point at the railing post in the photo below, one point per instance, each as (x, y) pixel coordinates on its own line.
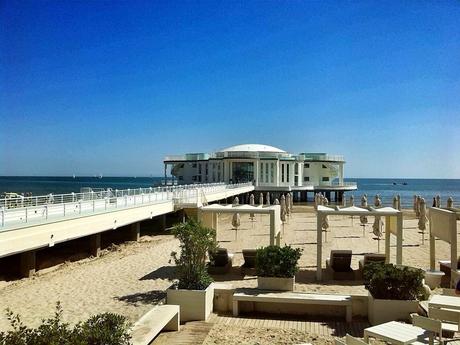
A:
(79, 206)
(105, 203)
(94, 205)
(64, 209)
(3, 216)
(46, 212)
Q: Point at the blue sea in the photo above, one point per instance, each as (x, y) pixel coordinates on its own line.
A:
(387, 188)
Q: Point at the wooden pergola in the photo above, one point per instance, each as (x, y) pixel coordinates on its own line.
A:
(393, 225)
(443, 226)
(209, 216)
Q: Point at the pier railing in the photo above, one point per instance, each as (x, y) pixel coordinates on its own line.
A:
(19, 210)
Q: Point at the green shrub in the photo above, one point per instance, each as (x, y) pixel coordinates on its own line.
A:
(386, 281)
(274, 261)
(101, 329)
(195, 242)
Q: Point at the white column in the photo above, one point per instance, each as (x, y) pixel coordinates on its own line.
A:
(341, 173)
(277, 173)
(256, 171)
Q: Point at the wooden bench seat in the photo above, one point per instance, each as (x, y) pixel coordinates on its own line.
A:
(151, 324)
(256, 295)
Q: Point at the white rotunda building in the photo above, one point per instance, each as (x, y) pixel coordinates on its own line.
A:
(269, 168)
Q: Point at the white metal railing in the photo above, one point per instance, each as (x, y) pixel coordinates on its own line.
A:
(19, 210)
(338, 184)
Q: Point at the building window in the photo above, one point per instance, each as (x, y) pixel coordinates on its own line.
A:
(272, 172)
(306, 165)
(296, 180)
(199, 178)
(266, 173)
(199, 169)
(206, 168)
(287, 173)
(306, 178)
(324, 166)
(282, 172)
(193, 178)
(180, 178)
(296, 168)
(325, 179)
(194, 165)
(261, 172)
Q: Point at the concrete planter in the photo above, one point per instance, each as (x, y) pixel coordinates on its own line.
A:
(275, 283)
(195, 305)
(384, 310)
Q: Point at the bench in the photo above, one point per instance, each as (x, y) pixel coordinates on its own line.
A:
(255, 295)
(151, 324)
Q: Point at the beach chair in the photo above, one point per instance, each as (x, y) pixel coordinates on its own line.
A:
(449, 318)
(350, 340)
(368, 258)
(340, 264)
(220, 261)
(434, 328)
(249, 265)
(371, 257)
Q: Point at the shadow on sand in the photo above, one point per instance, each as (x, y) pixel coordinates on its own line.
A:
(150, 297)
(164, 272)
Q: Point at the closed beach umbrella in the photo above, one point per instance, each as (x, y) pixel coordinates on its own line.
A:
(377, 201)
(267, 197)
(236, 222)
(283, 208)
(395, 202)
(438, 200)
(252, 203)
(363, 219)
(450, 202)
(344, 200)
(352, 200)
(288, 204)
(276, 202)
(415, 204)
(261, 199)
(236, 201)
(399, 201)
(423, 218)
(292, 201)
(417, 207)
(325, 220)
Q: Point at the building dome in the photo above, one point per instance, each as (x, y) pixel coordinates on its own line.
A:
(252, 148)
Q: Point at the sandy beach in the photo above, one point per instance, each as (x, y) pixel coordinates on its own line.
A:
(129, 279)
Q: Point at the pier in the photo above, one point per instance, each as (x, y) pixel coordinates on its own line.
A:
(30, 224)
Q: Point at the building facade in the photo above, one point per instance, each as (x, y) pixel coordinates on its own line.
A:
(269, 168)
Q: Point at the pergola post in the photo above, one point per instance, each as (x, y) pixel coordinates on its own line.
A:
(399, 238)
(319, 247)
(387, 239)
(432, 250)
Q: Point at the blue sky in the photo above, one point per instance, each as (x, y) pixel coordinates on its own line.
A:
(113, 86)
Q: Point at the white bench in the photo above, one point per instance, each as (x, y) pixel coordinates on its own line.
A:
(255, 295)
(161, 317)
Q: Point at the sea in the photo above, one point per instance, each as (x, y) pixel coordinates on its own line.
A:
(385, 187)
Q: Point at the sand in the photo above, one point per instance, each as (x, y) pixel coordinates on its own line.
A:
(133, 277)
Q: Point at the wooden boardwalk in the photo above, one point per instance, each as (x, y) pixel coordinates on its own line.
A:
(320, 327)
(194, 333)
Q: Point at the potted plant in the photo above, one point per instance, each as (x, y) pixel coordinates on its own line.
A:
(394, 291)
(193, 292)
(276, 267)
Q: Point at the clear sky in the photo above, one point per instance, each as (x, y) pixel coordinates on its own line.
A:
(113, 86)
